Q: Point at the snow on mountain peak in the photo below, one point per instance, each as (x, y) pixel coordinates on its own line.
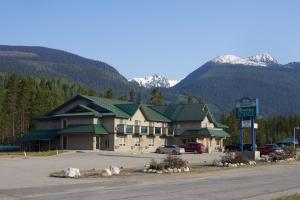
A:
(262, 60)
(155, 81)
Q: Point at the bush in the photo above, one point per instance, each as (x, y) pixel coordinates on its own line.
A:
(155, 165)
(174, 162)
(234, 157)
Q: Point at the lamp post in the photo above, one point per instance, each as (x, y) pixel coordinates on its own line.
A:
(295, 136)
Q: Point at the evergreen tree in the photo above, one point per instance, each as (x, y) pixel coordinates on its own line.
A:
(157, 97)
(190, 100)
(123, 98)
(10, 108)
(109, 94)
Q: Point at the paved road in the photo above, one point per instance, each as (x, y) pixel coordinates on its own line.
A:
(34, 172)
(263, 182)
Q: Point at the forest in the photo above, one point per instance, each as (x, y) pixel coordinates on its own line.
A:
(24, 97)
(270, 130)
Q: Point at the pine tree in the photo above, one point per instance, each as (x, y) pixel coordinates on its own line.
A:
(157, 97)
(123, 98)
(109, 94)
(190, 100)
(10, 109)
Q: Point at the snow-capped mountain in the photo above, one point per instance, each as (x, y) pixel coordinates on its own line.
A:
(263, 60)
(155, 81)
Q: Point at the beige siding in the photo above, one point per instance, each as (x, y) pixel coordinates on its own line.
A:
(80, 142)
(109, 124)
(53, 124)
(79, 120)
(147, 144)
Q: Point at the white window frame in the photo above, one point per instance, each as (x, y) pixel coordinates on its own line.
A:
(123, 121)
(151, 124)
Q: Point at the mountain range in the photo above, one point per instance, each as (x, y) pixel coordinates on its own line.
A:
(223, 80)
(220, 81)
(46, 62)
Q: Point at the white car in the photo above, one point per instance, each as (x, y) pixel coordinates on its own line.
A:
(170, 149)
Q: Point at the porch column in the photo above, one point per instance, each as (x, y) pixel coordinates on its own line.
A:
(94, 143)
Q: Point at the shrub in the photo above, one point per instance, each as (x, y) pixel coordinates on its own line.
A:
(234, 157)
(174, 162)
(155, 165)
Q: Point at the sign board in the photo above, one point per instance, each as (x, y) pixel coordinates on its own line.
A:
(247, 108)
(247, 124)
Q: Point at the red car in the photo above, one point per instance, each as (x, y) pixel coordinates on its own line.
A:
(270, 149)
(194, 147)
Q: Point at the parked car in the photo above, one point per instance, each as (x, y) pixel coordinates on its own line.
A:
(236, 147)
(270, 149)
(284, 145)
(248, 147)
(232, 147)
(170, 149)
(194, 147)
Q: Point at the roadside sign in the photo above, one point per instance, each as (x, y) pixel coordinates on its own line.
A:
(247, 124)
(247, 108)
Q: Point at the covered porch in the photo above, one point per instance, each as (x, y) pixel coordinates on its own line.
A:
(211, 138)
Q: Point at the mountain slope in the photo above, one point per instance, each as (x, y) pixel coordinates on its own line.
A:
(222, 83)
(49, 63)
(45, 62)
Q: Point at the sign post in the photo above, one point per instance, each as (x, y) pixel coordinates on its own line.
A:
(247, 109)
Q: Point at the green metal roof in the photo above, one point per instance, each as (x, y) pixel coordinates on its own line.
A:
(45, 117)
(182, 112)
(205, 132)
(130, 109)
(40, 135)
(97, 129)
(152, 115)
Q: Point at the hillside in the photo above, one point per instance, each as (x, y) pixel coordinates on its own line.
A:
(224, 80)
(50, 63)
(46, 62)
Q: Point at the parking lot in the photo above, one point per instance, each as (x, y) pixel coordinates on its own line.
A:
(34, 171)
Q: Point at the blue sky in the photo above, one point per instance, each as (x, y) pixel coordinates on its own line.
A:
(168, 37)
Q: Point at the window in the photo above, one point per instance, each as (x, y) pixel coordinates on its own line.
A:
(122, 141)
(122, 121)
(151, 124)
(157, 130)
(217, 142)
(136, 141)
(144, 129)
(64, 123)
(129, 129)
(151, 141)
(137, 122)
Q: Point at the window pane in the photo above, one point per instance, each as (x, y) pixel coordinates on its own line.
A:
(144, 129)
(129, 129)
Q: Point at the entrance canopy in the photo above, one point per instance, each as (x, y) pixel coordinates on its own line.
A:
(40, 135)
(96, 129)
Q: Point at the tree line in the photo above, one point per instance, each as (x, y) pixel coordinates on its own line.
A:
(270, 130)
(23, 98)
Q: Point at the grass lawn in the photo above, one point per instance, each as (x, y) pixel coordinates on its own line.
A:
(29, 154)
(292, 197)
